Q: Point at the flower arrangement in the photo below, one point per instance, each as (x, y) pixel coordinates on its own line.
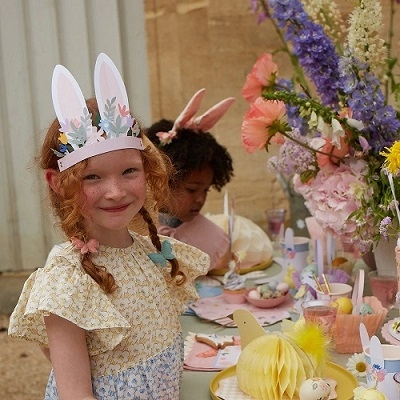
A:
(334, 117)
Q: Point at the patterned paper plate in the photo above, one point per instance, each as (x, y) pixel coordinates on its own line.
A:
(346, 382)
(389, 334)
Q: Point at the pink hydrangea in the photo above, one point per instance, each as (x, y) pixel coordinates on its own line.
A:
(334, 194)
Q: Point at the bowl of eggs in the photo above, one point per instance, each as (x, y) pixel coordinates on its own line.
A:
(268, 295)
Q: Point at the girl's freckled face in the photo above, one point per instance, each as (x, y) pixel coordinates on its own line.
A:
(114, 190)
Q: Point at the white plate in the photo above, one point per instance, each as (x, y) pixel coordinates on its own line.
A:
(392, 332)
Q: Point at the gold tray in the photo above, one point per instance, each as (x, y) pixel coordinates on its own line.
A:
(346, 382)
(258, 267)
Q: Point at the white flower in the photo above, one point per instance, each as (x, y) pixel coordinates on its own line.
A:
(357, 365)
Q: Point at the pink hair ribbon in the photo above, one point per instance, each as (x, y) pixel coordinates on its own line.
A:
(92, 246)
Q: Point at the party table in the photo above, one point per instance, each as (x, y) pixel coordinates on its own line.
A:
(196, 384)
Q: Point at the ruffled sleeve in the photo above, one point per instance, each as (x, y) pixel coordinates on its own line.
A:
(64, 289)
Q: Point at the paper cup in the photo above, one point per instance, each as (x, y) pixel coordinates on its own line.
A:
(391, 357)
(297, 256)
(337, 290)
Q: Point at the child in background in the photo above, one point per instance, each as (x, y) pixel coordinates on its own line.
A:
(200, 163)
(105, 307)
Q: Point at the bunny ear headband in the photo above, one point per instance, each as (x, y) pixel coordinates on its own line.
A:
(80, 137)
(204, 122)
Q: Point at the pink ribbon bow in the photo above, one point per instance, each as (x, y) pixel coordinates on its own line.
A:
(92, 246)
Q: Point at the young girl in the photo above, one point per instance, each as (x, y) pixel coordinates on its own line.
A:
(200, 163)
(105, 307)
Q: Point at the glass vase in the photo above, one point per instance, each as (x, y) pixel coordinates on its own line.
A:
(385, 257)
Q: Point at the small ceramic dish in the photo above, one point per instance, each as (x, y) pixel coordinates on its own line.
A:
(267, 303)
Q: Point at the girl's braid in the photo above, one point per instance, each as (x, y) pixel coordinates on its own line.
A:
(175, 271)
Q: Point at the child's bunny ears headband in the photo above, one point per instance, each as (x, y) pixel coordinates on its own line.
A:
(202, 123)
(80, 137)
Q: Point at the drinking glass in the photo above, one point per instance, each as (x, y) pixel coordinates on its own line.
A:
(384, 288)
(322, 313)
(275, 221)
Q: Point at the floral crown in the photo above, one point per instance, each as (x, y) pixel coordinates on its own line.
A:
(80, 137)
(202, 123)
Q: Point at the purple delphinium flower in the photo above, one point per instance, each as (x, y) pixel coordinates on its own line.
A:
(367, 103)
(293, 112)
(314, 50)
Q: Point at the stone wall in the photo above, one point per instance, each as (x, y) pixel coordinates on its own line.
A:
(213, 44)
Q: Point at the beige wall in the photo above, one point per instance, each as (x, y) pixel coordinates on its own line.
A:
(213, 44)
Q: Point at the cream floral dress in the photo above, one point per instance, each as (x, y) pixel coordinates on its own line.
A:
(133, 335)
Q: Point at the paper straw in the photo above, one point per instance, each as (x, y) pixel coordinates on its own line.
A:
(319, 287)
(328, 288)
(390, 177)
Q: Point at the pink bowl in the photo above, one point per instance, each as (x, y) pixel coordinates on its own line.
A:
(267, 303)
(235, 296)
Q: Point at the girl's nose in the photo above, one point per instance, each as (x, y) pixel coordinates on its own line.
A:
(201, 198)
(115, 190)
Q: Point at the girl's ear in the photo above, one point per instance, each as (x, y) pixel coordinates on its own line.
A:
(51, 176)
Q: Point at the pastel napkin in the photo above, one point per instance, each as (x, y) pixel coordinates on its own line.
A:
(203, 357)
(217, 310)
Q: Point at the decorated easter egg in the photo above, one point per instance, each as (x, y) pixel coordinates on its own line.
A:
(373, 394)
(272, 285)
(314, 389)
(263, 288)
(267, 294)
(282, 287)
(344, 305)
(365, 309)
(254, 294)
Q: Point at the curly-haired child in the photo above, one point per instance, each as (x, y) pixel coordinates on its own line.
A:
(105, 308)
(200, 163)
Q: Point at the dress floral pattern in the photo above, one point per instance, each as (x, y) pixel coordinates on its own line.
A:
(133, 335)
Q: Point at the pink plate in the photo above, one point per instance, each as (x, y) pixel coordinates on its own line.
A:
(267, 303)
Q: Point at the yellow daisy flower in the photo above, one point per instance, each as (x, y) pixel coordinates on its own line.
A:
(392, 162)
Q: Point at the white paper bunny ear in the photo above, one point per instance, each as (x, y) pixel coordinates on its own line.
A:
(364, 336)
(68, 101)
(109, 88)
(376, 352)
(213, 115)
(80, 138)
(190, 110)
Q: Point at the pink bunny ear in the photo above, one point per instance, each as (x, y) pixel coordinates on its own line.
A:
(190, 110)
(108, 84)
(68, 101)
(213, 115)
